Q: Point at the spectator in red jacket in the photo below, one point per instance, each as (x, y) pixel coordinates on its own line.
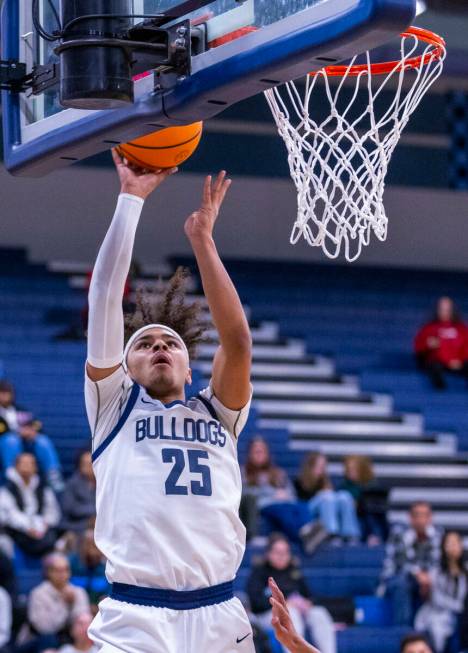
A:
(441, 345)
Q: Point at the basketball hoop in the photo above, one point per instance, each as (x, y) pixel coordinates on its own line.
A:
(339, 163)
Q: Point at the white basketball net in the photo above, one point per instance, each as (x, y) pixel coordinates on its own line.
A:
(339, 165)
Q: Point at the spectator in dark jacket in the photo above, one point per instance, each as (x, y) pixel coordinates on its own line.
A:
(79, 498)
(412, 554)
(441, 344)
(369, 496)
(29, 511)
(280, 565)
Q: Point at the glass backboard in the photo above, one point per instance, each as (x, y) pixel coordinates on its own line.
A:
(286, 39)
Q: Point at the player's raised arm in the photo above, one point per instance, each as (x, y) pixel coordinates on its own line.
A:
(105, 324)
(231, 367)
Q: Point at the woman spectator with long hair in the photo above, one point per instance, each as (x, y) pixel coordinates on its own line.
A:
(439, 614)
(336, 511)
(263, 484)
(370, 498)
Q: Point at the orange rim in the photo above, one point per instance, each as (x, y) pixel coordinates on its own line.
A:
(424, 35)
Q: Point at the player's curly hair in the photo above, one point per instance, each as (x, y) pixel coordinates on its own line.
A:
(169, 306)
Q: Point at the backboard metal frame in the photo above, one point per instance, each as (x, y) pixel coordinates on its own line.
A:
(325, 33)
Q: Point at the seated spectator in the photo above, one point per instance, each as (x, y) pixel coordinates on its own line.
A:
(79, 636)
(90, 564)
(415, 643)
(438, 617)
(412, 554)
(336, 511)
(8, 409)
(55, 604)
(441, 344)
(370, 498)
(79, 497)
(263, 483)
(28, 439)
(5, 620)
(280, 565)
(29, 511)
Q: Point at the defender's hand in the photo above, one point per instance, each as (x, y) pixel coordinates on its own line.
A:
(283, 626)
(136, 181)
(201, 223)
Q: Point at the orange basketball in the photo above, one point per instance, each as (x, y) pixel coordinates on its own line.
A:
(163, 149)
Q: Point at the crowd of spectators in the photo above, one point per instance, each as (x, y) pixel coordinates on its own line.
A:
(48, 523)
(310, 510)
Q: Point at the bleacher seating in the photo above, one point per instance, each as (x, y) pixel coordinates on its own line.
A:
(333, 370)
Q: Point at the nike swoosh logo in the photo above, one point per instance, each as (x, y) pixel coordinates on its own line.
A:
(238, 641)
(146, 402)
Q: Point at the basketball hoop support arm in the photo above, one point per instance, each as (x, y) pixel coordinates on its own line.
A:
(150, 45)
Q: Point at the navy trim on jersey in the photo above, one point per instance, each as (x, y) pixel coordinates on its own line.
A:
(171, 404)
(208, 406)
(159, 598)
(176, 402)
(123, 418)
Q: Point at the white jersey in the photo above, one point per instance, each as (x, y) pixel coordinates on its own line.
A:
(168, 486)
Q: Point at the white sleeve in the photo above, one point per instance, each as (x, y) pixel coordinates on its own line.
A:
(105, 401)
(233, 420)
(106, 325)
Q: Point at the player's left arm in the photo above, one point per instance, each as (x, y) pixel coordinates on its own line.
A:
(232, 362)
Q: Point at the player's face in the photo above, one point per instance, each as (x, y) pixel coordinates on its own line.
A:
(159, 363)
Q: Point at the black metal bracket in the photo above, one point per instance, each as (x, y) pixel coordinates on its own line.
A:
(148, 45)
(14, 77)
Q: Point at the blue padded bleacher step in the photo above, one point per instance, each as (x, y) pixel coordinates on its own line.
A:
(328, 582)
(370, 640)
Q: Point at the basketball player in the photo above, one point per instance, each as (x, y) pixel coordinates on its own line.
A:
(168, 481)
